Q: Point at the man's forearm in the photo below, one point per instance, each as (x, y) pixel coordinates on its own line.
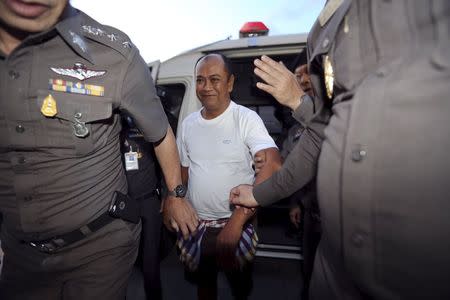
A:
(178, 213)
(167, 155)
(240, 216)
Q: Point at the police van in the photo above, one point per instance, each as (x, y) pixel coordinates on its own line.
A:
(175, 82)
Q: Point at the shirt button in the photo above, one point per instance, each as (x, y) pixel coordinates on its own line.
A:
(20, 128)
(381, 73)
(358, 154)
(21, 160)
(357, 240)
(14, 74)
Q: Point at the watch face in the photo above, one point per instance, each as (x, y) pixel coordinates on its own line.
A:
(180, 191)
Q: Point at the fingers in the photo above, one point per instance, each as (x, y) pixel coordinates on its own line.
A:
(194, 220)
(173, 225)
(181, 217)
(184, 231)
(189, 220)
(259, 161)
(266, 88)
(243, 195)
(192, 226)
(273, 65)
(269, 66)
(234, 195)
(269, 78)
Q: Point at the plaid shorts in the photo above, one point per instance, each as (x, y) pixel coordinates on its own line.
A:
(190, 248)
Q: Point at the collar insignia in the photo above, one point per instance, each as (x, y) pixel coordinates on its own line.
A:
(79, 71)
(76, 39)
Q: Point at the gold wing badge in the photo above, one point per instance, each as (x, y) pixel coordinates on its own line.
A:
(328, 75)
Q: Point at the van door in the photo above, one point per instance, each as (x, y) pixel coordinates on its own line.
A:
(154, 69)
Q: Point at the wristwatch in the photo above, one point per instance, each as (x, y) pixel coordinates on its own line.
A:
(179, 191)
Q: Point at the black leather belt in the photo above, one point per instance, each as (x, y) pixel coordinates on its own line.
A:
(53, 244)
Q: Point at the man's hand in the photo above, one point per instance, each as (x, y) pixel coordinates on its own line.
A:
(294, 215)
(259, 160)
(242, 195)
(179, 215)
(279, 82)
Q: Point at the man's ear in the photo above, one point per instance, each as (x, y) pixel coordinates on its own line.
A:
(230, 83)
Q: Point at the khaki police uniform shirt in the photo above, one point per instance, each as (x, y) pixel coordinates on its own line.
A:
(300, 166)
(383, 172)
(51, 180)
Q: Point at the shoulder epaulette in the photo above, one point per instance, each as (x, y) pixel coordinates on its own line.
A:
(108, 36)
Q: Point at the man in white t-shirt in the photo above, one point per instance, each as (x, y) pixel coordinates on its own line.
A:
(217, 145)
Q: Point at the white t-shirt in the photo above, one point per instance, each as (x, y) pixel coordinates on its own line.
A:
(219, 154)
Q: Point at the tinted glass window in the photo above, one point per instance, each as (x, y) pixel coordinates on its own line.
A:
(171, 96)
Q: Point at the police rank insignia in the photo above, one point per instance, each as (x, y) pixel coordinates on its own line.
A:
(112, 37)
(48, 107)
(75, 88)
(79, 71)
(329, 76)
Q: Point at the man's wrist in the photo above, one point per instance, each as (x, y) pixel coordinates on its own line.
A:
(297, 102)
(179, 191)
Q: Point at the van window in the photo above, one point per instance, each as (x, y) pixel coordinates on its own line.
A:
(171, 96)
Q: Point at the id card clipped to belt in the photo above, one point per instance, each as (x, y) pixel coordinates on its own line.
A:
(131, 160)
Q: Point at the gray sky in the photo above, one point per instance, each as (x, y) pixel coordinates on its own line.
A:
(164, 28)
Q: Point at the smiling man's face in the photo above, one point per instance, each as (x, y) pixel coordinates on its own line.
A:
(213, 84)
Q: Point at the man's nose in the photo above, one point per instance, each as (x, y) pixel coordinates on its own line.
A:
(304, 80)
(207, 85)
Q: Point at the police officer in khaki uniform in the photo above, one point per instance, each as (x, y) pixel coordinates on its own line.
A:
(63, 78)
(383, 168)
(144, 180)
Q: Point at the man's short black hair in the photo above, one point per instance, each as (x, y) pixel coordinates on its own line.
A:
(226, 61)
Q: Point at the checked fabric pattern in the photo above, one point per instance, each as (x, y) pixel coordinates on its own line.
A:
(190, 248)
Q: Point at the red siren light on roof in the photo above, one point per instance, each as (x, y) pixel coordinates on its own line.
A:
(251, 29)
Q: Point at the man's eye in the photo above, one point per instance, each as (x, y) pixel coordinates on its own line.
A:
(200, 81)
(215, 80)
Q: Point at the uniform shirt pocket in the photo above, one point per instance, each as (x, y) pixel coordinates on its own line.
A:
(80, 125)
